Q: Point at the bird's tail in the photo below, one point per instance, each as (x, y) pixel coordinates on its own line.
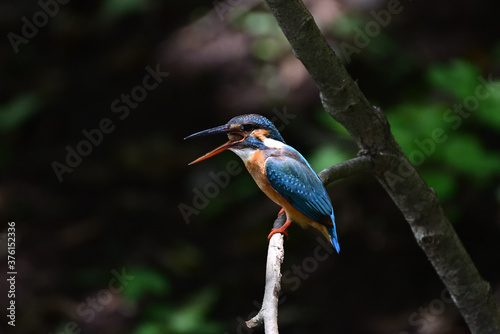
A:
(332, 231)
(333, 237)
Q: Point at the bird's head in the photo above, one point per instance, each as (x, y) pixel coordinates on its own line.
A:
(246, 133)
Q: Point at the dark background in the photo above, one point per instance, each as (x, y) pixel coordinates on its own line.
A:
(118, 212)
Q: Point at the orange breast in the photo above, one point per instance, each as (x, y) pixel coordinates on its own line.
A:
(256, 167)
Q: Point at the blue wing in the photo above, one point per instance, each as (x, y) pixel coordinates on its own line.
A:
(296, 181)
(300, 186)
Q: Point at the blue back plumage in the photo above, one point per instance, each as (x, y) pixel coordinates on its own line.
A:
(296, 181)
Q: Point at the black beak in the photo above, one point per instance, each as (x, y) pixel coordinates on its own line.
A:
(213, 131)
(217, 130)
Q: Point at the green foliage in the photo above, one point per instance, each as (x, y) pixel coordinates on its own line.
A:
(327, 121)
(460, 152)
(191, 317)
(462, 80)
(146, 281)
(467, 155)
(259, 24)
(270, 44)
(326, 156)
(411, 122)
(344, 25)
(458, 77)
(444, 183)
(18, 111)
(149, 328)
(489, 109)
(268, 48)
(160, 314)
(188, 318)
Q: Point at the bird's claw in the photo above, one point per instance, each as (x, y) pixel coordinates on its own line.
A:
(277, 230)
(282, 229)
(282, 211)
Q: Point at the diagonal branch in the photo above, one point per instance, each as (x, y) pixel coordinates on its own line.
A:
(369, 128)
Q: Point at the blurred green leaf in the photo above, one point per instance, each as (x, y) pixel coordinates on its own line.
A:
(489, 109)
(146, 281)
(326, 120)
(466, 154)
(149, 328)
(412, 122)
(191, 317)
(458, 77)
(326, 156)
(260, 24)
(18, 111)
(443, 183)
(344, 25)
(268, 48)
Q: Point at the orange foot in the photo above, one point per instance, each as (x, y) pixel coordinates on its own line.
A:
(282, 229)
(282, 211)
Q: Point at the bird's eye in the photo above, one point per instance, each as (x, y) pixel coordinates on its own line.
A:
(247, 127)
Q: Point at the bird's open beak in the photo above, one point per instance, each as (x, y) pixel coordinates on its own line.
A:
(234, 138)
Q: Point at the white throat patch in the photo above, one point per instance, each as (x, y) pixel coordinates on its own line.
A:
(244, 154)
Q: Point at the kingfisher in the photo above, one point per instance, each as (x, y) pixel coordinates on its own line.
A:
(280, 171)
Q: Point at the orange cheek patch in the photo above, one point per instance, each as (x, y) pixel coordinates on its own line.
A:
(261, 134)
